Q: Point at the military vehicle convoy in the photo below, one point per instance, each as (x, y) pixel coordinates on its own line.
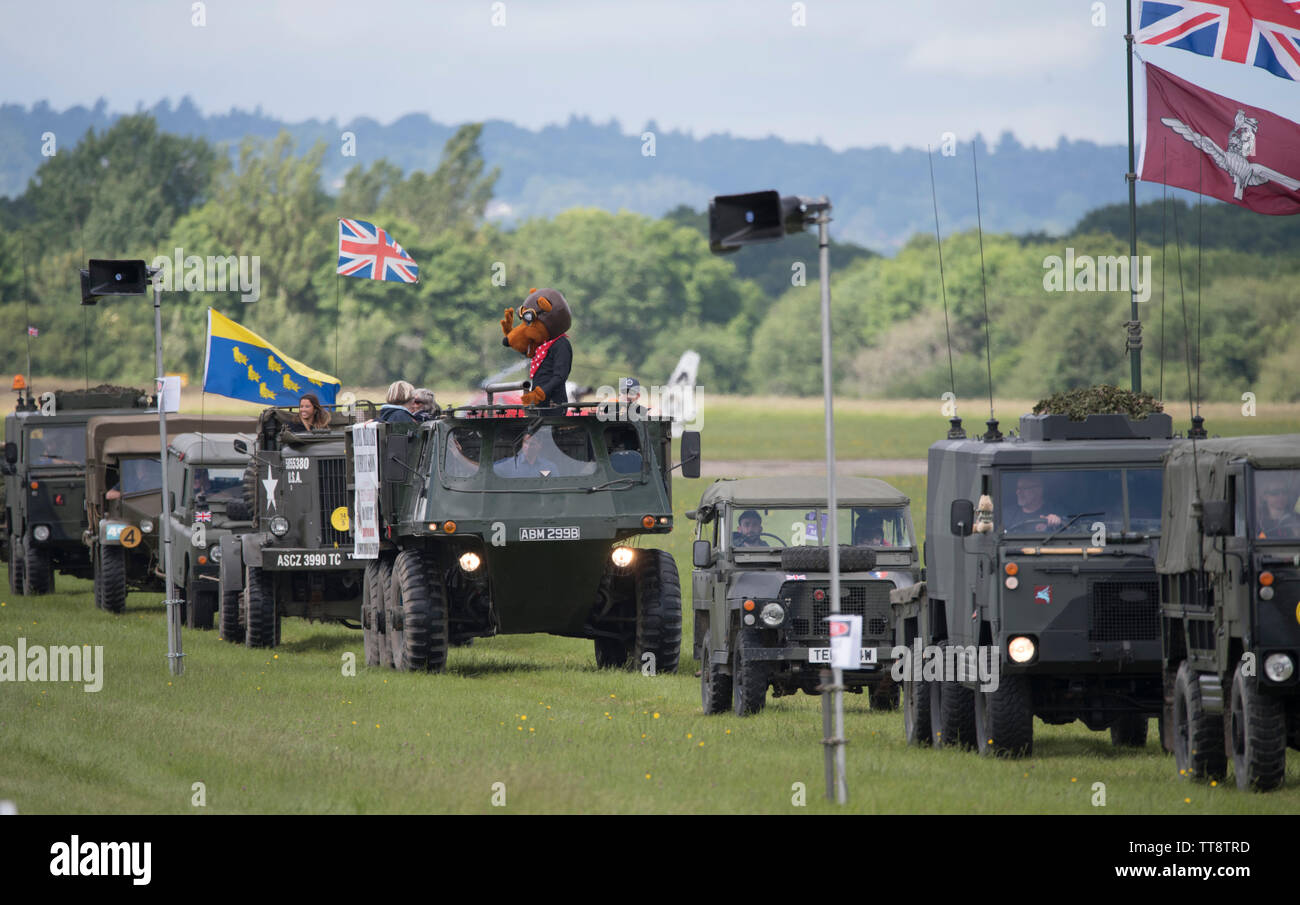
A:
(296, 559)
(492, 524)
(1229, 569)
(44, 479)
(760, 587)
(123, 500)
(1055, 573)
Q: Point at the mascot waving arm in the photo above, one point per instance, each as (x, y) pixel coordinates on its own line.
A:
(544, 318)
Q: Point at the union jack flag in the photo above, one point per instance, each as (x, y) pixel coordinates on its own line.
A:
(1263, 33)
(203, 515)
(32, 331)
(370, 253)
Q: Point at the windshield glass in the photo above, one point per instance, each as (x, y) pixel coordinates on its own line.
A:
(140, 476)
(810, 527)
(63, 444)
(1074, 501)
(219, 484)
(1276, 494)
(551, 451)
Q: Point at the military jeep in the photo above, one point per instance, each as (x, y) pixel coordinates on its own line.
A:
(45, 482)
(493, 524)
(124, 505)
(1040, 550)
(761, 586)
(296, 560)
(1229, 569)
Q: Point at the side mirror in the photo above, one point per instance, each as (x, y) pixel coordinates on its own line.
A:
(690, 514)
(11, 453)
(690, 454)
(1216, 519)
(961, 517)
(702, 554)
(241, 447)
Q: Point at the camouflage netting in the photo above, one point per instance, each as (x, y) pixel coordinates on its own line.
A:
(1079, 403)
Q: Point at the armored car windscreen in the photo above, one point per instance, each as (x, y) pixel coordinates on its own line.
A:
(810, 527)
(56, 445)
(1276, 494)
(1071, 501)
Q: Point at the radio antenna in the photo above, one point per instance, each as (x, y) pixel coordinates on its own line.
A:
(992, 433)
(955, 432)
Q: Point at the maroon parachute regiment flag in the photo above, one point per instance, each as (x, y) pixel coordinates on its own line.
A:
(1202, 141)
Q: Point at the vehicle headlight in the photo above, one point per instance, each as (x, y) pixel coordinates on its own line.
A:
(1278, 667)
(772, 615)
(470, 561)
(41, 532)
(1266, 592)
(622, 556)
(214, 553)
(1021, 649)
(279, 526)
(146, 525)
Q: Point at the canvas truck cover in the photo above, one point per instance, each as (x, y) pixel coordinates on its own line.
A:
(802, 491)
(109, 436)
(1200, 471)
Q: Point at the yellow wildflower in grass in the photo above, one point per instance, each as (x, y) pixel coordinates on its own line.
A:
(656, 716)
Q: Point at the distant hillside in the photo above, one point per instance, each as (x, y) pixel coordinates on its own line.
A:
(881, 197)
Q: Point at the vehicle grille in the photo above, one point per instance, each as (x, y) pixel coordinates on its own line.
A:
(1124, 611)
(868, 599)
(333, 476)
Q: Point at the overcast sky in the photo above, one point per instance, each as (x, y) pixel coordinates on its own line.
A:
(864, 73)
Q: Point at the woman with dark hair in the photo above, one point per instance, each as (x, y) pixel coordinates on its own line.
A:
(311, 416)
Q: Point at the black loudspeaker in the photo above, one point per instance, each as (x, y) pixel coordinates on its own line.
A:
(116, 278)
(736, 220)
(86, 297)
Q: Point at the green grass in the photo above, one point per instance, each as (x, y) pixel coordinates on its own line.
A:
(288, 732)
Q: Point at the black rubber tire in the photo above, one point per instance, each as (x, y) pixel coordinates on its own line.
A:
(110, 570)
(422, 637)
(885, 695)
(1130, 730)
(715, 684)
(1198, 736)
(15, 566)
(371, 604)
(38, 572)
(818, 559)
(1255, 735)
(952, 715)
(658, 612)
(200, 605)
(1004, 719)
(749, 677)
(381, 613)
(916, 714)
(228, 625)
(611, 653)
(261, 624)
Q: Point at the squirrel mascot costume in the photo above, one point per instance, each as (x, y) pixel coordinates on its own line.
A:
(543, 320)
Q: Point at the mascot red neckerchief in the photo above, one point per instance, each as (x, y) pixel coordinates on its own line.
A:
(543, 320)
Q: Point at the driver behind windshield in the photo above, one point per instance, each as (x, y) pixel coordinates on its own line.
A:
(1031, 512)
(751, 530)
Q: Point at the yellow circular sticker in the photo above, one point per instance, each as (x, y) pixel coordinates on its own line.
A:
(339, 519)
(130, 536)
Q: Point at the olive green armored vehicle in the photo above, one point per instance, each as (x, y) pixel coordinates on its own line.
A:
(761, 587)
(1229, 569)
(490, 524)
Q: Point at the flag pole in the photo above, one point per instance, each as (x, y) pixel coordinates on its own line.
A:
(1134, 325)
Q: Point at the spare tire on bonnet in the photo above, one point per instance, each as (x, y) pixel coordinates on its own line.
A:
(818, 559)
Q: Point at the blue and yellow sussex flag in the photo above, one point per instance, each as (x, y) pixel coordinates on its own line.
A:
(242, 365)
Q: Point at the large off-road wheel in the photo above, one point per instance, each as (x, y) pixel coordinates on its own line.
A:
(16, 559)
(1255, 735)
(1004, 719)
(1130, 730)
(110, 573)
(658, 612)
(1198, 736)
(382, 626)
(715, 684)
(749, 677)
(228, 623)
(952, 715)
(38, 572)
(371, 605)
(261, 624)
(884, 696)
(419, 634)
(916, 713)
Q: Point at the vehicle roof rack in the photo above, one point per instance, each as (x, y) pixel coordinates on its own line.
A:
(1155, 426)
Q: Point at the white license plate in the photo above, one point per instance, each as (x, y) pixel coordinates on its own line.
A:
(568, 533)
(866, 655)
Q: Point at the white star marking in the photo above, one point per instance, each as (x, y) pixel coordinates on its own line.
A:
(269, 483)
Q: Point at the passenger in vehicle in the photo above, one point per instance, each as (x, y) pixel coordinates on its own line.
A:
(529, 462)
(870, 529)
(1276, 509)
(751, 530)
(400, 404)
(311, 416)
(428, 407)
(1030, 512)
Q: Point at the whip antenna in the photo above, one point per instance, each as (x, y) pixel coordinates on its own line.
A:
(988, 345)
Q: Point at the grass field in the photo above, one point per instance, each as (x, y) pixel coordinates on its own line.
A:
(289, 731)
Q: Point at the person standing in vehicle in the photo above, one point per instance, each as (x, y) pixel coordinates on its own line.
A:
(400, 404)
(311, 416)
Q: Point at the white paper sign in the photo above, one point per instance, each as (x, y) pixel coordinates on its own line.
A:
(171, 394)
(365, 468)
(846, 640)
